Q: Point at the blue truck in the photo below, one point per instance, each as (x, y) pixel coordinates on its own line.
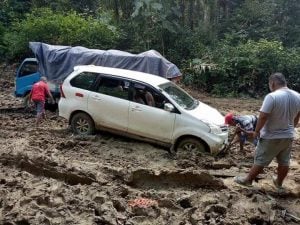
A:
(26, 75)
(57, 62)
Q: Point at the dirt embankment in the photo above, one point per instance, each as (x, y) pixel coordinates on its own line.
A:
(50, 176)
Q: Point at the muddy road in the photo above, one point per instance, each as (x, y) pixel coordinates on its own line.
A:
(49, 176)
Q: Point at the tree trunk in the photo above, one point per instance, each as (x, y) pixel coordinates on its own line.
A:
(182, 11)
(116, 9)
(191, 14)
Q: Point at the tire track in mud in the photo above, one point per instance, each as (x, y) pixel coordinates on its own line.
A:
(39, 167)
(142, 178)
(148, 179)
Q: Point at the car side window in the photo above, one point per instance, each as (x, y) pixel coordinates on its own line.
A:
(146, 95)
(28, 68)
(84, 80)
(114, 87)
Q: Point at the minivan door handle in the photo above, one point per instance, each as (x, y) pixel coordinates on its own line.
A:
(96, 97)
(136, 109)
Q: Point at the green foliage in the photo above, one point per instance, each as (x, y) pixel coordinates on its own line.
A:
(223, 46)
(152, 22)
(268, 19)
(245, 68)
(288, 24)
(82, 6)
(13, 9)
(56, 28)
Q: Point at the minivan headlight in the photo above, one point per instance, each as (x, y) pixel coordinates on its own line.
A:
(214, 129)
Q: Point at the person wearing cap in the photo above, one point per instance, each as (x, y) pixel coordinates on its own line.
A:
(278, 116)
(245, 125)
(39, 92)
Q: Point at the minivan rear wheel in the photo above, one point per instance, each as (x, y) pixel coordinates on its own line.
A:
(191, 145)
(82, 124)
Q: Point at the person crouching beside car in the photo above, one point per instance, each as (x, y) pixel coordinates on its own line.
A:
(245, 125)
(38, 95)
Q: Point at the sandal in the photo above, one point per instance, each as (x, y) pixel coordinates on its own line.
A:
(242, 181)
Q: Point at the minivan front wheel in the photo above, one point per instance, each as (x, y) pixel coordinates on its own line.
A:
(82, 124)
(191, 145)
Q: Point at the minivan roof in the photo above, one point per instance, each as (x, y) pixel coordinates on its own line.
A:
(153, 80)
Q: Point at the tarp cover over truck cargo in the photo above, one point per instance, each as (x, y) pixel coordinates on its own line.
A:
(56, 62)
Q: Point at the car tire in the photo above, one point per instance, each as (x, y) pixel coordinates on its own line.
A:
(191, 145)
(82, 124)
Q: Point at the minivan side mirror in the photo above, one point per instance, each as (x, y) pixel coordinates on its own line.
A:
(169, 107)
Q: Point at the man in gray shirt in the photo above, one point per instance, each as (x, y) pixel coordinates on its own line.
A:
(279, 114)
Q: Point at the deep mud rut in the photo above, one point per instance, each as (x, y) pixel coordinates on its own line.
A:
(49, 176)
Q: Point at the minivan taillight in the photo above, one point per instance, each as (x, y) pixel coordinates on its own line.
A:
(62, 94)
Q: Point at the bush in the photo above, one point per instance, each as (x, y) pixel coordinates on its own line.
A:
(245, 68)
(44, 25)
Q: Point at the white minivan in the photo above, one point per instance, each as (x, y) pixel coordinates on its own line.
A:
(142, 106)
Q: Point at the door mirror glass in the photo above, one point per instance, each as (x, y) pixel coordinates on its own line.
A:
(169, 107)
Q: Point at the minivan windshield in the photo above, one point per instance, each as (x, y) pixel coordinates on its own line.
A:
(179, 96)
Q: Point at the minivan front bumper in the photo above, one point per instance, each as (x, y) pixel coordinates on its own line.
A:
(215, 150)
(220, 145)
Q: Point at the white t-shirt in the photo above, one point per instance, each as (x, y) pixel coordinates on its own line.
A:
(283, 106)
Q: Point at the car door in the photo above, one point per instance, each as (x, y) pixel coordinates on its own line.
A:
(150, 121)
(26, 76)
(108, 104)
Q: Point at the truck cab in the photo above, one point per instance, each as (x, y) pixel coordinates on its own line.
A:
(26, 75)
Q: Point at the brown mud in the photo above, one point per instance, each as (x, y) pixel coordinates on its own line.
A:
(49, 176)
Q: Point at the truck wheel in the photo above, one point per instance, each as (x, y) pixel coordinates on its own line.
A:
(191, 145)
(82, 124)
(26, 101)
